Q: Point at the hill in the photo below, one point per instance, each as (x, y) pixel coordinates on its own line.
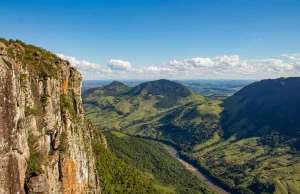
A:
(259, 150)
(264, 107)
(167, 92)
(159, 109)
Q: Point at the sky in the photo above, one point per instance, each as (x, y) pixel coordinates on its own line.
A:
(171, 39)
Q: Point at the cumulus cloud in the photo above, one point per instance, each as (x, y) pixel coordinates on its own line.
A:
(272, 64)
(233, 65)
(295, 60)
(228, 60)
(119, 64)
(86, 67)
(227, 66)
(189, 64)
(154, 70)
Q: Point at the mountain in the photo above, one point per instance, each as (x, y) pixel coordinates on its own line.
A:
(159, 109)
(113, 89)
(259, 152)
(168, 92)
(262, 107)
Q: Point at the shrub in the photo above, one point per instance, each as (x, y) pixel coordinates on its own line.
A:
(23, 80)
(67, 103)
(30, 111)
(63, 142)
(36, 158)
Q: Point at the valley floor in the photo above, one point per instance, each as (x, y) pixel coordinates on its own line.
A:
(245, 164)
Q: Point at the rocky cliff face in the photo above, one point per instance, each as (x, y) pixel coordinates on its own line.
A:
(45, 144)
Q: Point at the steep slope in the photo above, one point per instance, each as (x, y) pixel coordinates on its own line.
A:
(262, 107)
(45, 143)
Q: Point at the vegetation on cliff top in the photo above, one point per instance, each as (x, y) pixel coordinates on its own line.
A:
(38, 60)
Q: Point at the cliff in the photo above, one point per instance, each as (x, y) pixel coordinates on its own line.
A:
(45, 144)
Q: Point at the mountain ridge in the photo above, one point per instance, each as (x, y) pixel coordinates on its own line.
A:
(271, 104)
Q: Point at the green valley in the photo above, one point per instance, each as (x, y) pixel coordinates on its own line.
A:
(249, 141)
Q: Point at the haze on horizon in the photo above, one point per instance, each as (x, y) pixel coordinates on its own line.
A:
(137, 39)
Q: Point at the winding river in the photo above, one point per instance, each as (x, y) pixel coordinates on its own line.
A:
(194, 170)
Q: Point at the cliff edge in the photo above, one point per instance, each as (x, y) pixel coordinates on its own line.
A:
(45, 143)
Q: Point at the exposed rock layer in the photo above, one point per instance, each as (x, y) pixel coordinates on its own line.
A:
(44, 141)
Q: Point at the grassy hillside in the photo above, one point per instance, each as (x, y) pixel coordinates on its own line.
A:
(155, 162)
(160, 109)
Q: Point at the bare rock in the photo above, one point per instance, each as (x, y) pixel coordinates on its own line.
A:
(39, 184)
(3, 49)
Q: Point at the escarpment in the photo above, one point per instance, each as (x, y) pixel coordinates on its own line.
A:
(45, 144)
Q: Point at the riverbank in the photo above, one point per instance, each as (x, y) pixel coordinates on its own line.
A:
(209, 179)
(194, 170)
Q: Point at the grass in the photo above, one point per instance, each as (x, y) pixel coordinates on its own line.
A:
(118, 134)
(207, 143)
(277, 167)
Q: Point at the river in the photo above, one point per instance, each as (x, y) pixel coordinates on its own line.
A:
(207, 180)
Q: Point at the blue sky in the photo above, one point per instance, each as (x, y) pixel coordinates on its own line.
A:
(179, 39)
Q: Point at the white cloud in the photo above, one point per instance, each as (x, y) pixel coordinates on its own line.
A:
(227, 60)
(119, 65)
(155, 70)
(84, 66)
(295, 60)
(275, 64)
(232, 65)
(194, 68)
(189, 64)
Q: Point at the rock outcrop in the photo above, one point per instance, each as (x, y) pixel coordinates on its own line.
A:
(45, 144)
